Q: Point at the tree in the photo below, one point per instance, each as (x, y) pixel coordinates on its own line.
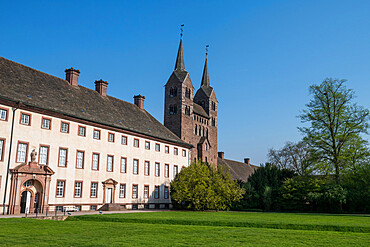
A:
(201, 187)
(294, 156)
(335, 123)
(264, 187)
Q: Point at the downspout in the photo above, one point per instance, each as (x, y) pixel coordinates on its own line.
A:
(10, 152)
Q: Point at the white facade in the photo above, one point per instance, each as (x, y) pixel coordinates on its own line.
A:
(57, 148)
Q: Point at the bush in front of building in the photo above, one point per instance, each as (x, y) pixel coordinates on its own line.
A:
(202, 187)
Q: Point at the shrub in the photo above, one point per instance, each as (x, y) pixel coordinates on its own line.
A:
(201, 187)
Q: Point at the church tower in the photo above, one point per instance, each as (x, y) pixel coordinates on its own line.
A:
(206, 98)
(178, 104)
(193, 119)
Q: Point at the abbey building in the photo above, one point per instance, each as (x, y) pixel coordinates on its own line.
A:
(67, 147)
(193, 118)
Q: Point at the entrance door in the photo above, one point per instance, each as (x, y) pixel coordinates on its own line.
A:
(108, 195)
(25, 202)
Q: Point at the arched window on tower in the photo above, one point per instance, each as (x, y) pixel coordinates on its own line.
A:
(175, 109)
(203, 131)
(200, 131)
(173, 92)
(196, 130)
(213, 106)
(170, 110)
(206, 132)
(187, 110)
(187, 93)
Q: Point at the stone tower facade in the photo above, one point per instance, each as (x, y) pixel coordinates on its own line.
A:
(192, 118)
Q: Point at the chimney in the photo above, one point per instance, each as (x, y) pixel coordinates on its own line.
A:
(72, 76)
(101, 87)
(221, 155)
(139, 101)
(246, 161)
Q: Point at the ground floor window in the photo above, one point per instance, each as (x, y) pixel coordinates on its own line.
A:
(166, 192)
(156, 192)
(93, 207)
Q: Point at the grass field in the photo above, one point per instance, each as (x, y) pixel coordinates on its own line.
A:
(190, 229)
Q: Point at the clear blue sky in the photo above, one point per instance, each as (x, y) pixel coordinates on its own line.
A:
(263, 54)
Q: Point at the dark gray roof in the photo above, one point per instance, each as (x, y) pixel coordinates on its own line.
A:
(180, 74)
(205, 77)
(38, 89)
(180, 64)
(238, 170)
(199, 110)
(207, 90)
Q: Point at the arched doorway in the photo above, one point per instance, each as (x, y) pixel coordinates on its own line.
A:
(25, 201)
(29, 188)
(30, 196)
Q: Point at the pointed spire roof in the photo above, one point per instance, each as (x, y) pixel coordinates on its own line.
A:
(180, 64)
(205, 78)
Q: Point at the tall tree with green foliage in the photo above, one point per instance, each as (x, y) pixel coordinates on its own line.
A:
(202, 187)
(336, 123)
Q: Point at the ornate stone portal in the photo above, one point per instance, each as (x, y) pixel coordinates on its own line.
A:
(29, 189)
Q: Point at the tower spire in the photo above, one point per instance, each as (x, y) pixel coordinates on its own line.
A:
(205, 78)
(180, 64)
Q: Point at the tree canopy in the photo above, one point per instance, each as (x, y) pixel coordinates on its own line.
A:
(201, 187)
(336, 125)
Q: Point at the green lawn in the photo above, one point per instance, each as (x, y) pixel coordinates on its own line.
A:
(190, 229)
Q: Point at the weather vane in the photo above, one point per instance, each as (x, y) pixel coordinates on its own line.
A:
(182, 29)
(207, 49)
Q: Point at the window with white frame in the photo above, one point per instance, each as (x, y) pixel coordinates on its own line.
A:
(80, 159)
(25, 119)
(157, 147)
(166, 192)
(167, 149)
(156, 192)
(134, 191)
(78, 189)
(175, 170)
(146, 168)
(146, 191)
(124, 140)
(122, 190)
(81, 131)
(110, 137)
(175, 151)
(44, 151)
(110, 163)
(62, 157)
(183, 153)
(97, 134)
(64, 127)
(22, 152)
(136, 167)
(60, 188)
(3, 114)
(123, 165)
(157, 169)
(1, 149)
(166, 170)
(95, 163)
(136, 143)
(94, 189)
(46, 123)
(147, 145)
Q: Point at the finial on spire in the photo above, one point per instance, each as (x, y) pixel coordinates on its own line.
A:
(207, 50)
(181, 29)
